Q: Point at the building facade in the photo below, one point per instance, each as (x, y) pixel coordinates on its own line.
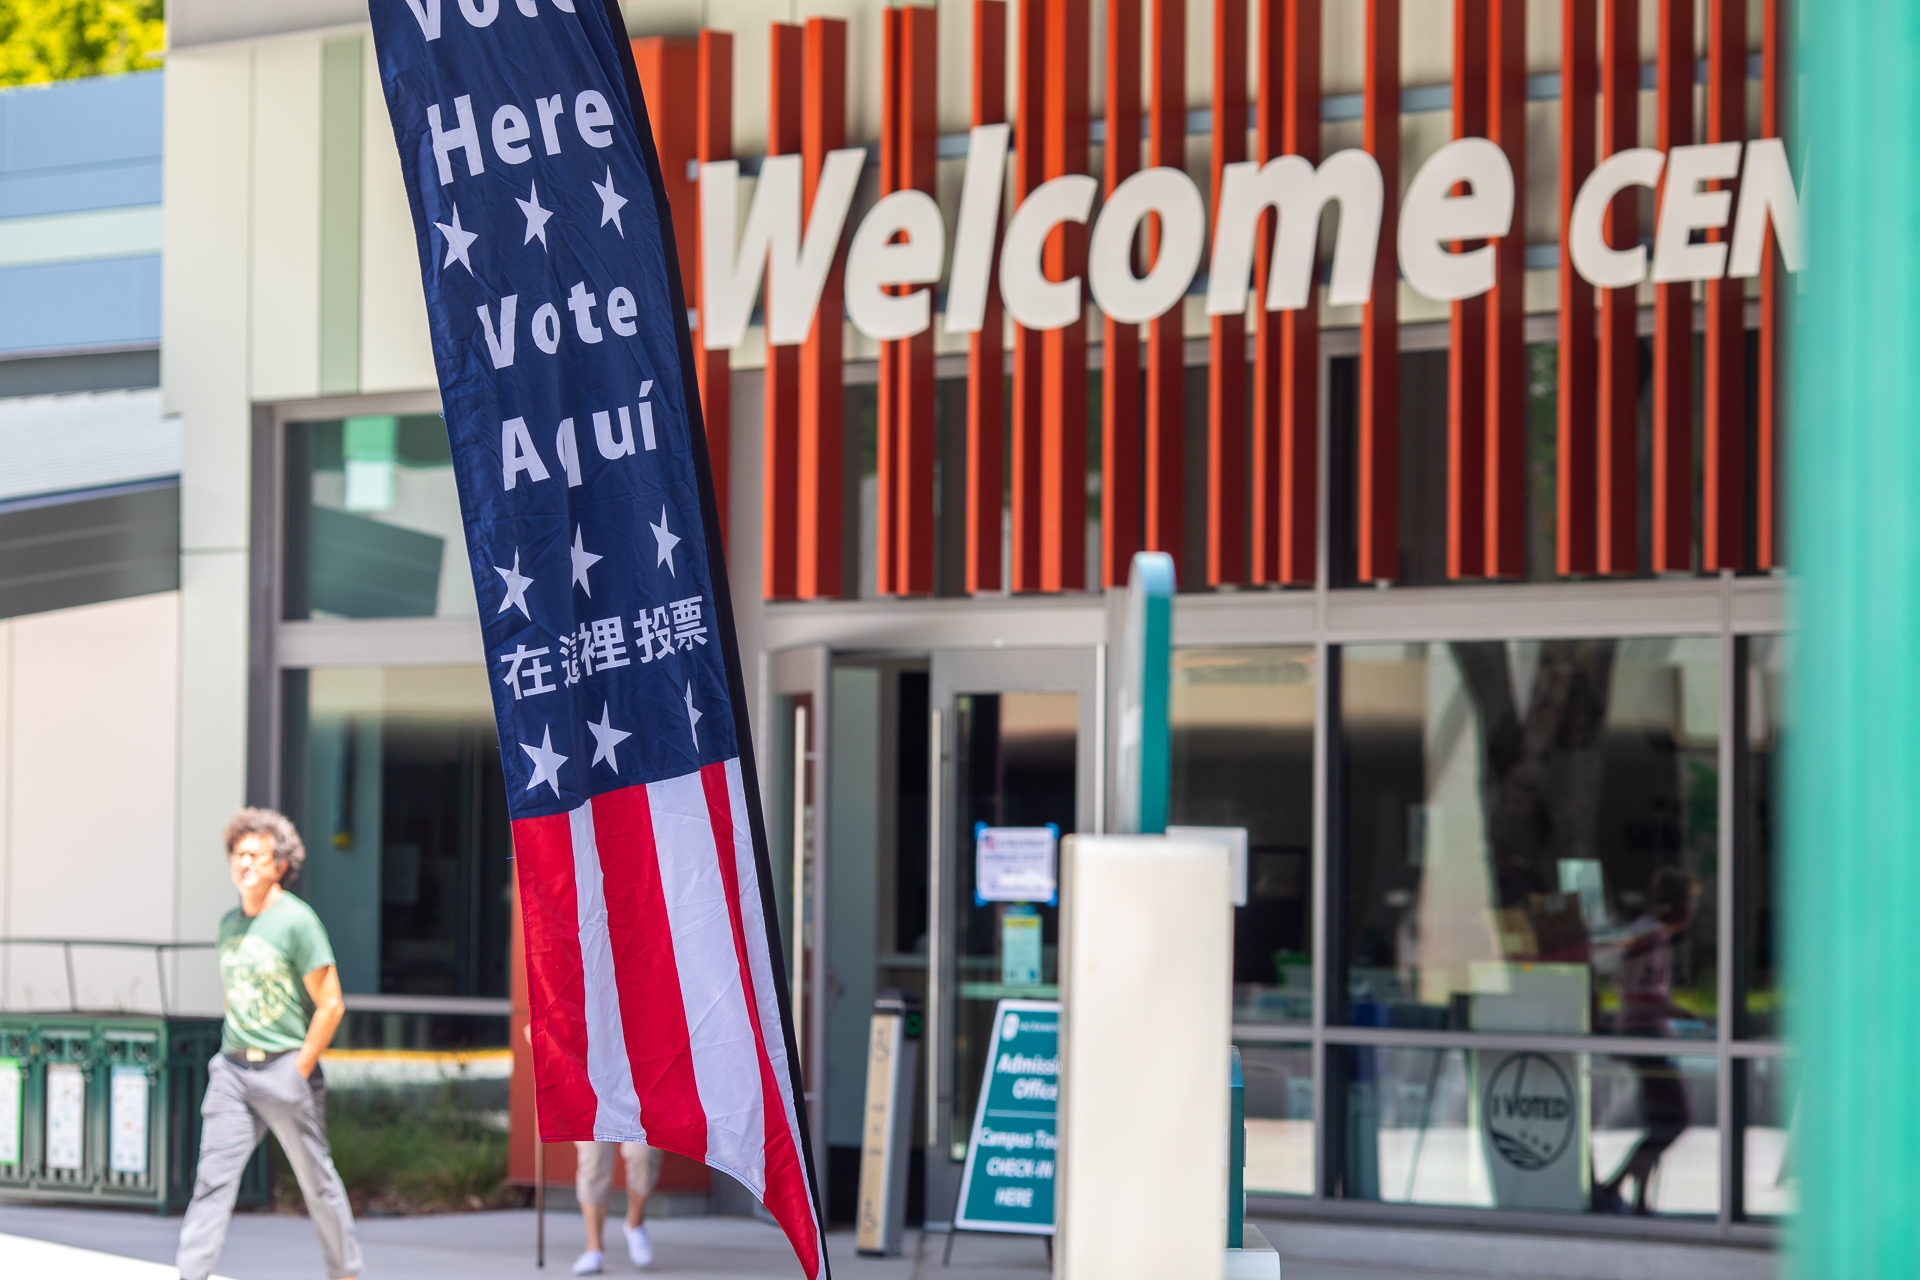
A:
(1482, 626)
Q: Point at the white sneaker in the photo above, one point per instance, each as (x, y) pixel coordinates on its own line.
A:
(639, 1248)
(590, 1263)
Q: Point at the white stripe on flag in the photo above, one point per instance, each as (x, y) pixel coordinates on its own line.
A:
(755, 921)
(618, 1117)
(726, 1064)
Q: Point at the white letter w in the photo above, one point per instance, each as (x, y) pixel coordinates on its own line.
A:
(798, 268)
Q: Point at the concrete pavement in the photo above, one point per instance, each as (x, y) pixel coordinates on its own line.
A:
(101, 1244)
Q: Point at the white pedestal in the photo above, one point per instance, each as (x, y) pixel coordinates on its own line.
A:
(1146, 972)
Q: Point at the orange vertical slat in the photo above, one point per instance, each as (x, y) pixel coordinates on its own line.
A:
(822, 412)
(986, 357)
(1769, 538)
(713, 140)
(887, 392)
(781, 455)
(1467, 326)
(669, 68)
(915, 142)
(1029, 171)
(1272, 68)
(1723, 509)
(1574, 479)
(1300, 330)
(1378, 507)
(1617, 395)
(1120, 372)
(1673, 317)
(1227, 354)
(1506, 389)
(1166, 407)
(1063, 367)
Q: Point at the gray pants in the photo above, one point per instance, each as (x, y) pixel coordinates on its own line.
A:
(242, 1103)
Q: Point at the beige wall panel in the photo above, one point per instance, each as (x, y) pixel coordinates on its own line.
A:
(747, 20)
(663, 17)
(285, 248)
(94, 685)
(192, 22)
(204, 295)
(213, 731)
(8, 925)
(396, 347)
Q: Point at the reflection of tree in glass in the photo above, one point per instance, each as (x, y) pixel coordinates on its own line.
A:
(1545, 766)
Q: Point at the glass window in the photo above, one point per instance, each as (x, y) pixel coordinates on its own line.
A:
(1277, 1081)
(1762, 835)
(393, 777)
(373, 524)
(1525, 1129)
(1772, 1184)
(1242, 724)
(1530, 835)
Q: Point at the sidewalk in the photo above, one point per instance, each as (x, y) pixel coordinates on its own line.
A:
(492, 1246)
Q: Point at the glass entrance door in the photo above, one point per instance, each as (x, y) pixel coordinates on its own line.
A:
(1018, 735)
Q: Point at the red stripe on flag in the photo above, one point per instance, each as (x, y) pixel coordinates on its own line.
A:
(787, 1198)
(652, 1017)
(556, 984)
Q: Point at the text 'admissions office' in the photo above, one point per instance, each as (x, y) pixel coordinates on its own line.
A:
(1440, 346)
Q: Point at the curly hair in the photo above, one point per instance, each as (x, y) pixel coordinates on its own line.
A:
(288, 850)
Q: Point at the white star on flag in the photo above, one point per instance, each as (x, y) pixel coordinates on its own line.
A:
(665, 540)
(693, 719)
(606, 737)
(517, 584)
(583, 560)
(536, 216)
(611, 202)
(546, 762)
(459, 240)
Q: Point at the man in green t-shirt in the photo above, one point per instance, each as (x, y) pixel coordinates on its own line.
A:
(283, 1004)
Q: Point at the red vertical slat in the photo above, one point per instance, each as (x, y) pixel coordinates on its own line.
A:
(1723, 511)
(713, 140)
(1617, 424)
(1467, 326)
(1769, 540)
(1300, 330)
(669, 68)
(1227, 353)
(887, 393)
(781, 454)
(1575, 481)
(1063, 367)
(822, 413)
(1272, 68)
(1506, 389)
(1673, 317)
(1029, 171)
(986, 359)
(917, 138)
(1120, 374)
(1166, 407)
(1378, 536)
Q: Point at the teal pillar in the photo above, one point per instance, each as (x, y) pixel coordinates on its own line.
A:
(1853, 797)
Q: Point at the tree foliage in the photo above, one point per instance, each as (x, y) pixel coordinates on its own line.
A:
(42, 40)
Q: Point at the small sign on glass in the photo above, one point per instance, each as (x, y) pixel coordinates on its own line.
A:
(1015, 864)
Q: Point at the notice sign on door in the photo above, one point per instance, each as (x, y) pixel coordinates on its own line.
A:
(1007, 1184)
(1015, 864)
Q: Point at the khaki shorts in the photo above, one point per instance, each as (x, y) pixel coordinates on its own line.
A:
(593, 1180)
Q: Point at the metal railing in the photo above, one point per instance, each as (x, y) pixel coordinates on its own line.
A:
(66, 945)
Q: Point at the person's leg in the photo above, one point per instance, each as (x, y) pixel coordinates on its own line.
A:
(229, 1131)
(296, 1111)
(592, 1184)
(643, 1170)
(1664, 1112)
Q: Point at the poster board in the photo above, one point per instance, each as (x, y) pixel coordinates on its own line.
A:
(1007, 1184)
(66, 1115)
(127, 1119)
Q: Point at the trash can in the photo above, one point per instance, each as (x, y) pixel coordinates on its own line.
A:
(105, 1109)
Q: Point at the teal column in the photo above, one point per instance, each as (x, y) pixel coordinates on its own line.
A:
(1853, 794)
